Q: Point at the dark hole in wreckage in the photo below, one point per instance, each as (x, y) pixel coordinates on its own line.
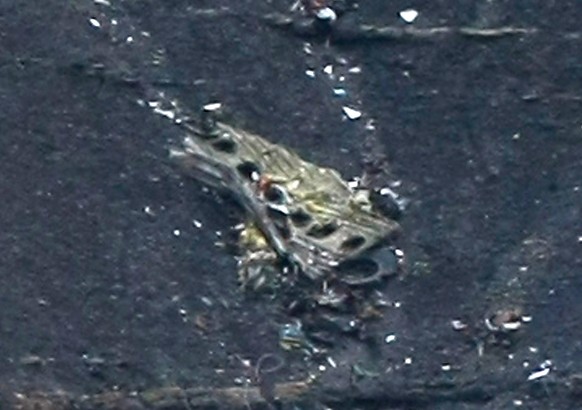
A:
(300, 218)
(225, 145)
(274, 195)
(248, 170)
(369, 267)
(322, 231)
(353, 243)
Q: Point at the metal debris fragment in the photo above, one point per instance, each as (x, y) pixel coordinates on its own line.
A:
(408, 15)
(304, 215)
(351, 113)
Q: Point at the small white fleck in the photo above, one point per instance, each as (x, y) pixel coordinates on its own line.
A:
(352, 323)
(183, 312)
(326, 13)
(399, 253)
(397, 304)
(218, 233)
(340, 92)
(165, 113)
(525, 364)
(129, 39)
(331, 362)
(94, 22)
(445, 367)
(458, 324)
(539, 374)
(526, 319)
(321, 368)
(197, 223)
(517, 403)
(310, 73)
(145, 34)
(153, 104)
(354, 183)
(511, 325)
(307, 49)
(580, 239)
(408, 360)
(523, 268)
(113, 22)
(370, 125)
(102, 2)
(177, 232)
(408, 15)
(351, 113)
(389, 339)
(212, 106)
(328, 69)
(533, 349)
(516, 136)
(355, 70)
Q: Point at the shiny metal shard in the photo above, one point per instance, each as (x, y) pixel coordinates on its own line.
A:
(308, 214)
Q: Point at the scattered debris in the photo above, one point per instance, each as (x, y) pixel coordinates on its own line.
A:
(408, 15)
(351, 113)
(389, 339)
(94, 22)
(542, 371)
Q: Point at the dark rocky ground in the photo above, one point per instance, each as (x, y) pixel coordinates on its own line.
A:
(484, 136)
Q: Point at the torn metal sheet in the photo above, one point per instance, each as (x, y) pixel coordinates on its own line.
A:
(304, 214)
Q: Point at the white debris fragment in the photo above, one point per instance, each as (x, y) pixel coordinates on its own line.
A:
(212, 106)
(326, 13)
(148, 211)
(526, 319)
(197, 223)
(94, 22)
(408, 15)
(113, 22)
(354, 183)
(340, 92)
(328, 69)
(351, 113)
(310, 73)
(458, 324)
(177, 232)
(539, 374)
(307, 49)
(408, 360)
(580, 239)
(331, 362)
(102, 2)
(389, 339)
(129, 39)
(355, 70)
(518, 403)
(321, 368)
(165, 113)
(445, 367)
(370, 126)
